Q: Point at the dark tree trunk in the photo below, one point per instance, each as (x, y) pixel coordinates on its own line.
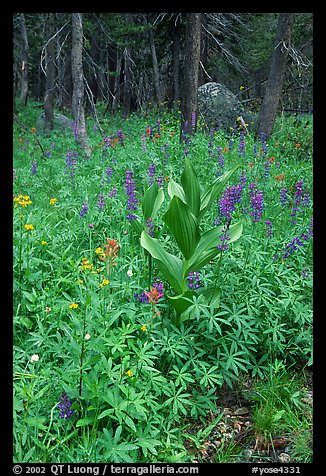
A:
(156, 76)
(78, 82)
(189, 103)
(268, 111)
(25, 57)
(116, 91)
(176, 64)
(50, 73)
(127, 75)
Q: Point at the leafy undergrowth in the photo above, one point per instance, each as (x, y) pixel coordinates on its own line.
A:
(126, 333)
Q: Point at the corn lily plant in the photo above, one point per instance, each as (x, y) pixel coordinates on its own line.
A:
(197, 247)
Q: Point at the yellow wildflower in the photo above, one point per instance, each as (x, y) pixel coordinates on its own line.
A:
(28, 227)
(43, 242)
(105, 282)
(53, 201)
(143, 328)
(129, 373)
(73, 305)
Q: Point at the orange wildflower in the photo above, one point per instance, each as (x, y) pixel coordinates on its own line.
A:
(110, 252)
(298, 145)
(271, 159)
(153, 295)
(280, 177)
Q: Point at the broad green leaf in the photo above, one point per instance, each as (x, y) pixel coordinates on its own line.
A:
(175, 189)
(137, 226)
(182, 301)
(207, 246)
(169, 265)
(183, 225)
(152, 200)
(212, 192)
(191, 187)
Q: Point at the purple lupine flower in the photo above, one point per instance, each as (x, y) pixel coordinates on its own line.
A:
(65, 406)
(269, 229)
(113, 192)
(131, 195)
(71, 161)
(224, 237)
(193, 121)
(108, 174)
(298, 195)
(84, 209)
(150, 227)
(34, 169)
(220, 162)
(194, 280)
(256, 202)
(229, 199)
(151, 173)
(160, 181)
(284, 196)
(100, 201)
(121, 136)
(242, 146)
(144, 298)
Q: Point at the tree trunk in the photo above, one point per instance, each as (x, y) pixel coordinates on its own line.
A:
(116, 92)
(268, 111)
(50, 74)
(189, 103)
(176, 64)
(156, 76)
(25, 57)
(127, 75)
(78, 82)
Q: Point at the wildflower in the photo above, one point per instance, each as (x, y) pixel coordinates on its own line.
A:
(22, 200)
(153, 295)
(28, 227)
(150, 227)
(35, 358)
(43, 242)
(99, 250)
(71, 161)
(280, 177)
(85, 264)
(256, 202)
(105, 282)
(224, 237)
(33, 130)
(151, 173)
(268, 229)
(65, 406)
(53, 201)
(193, 280)
(130, 191)
(84, 209)
(143, 328)
(34, 167)
(129, 273)
(100, 201)
(283, 195)
(110, 253)
(129, 373)
(87, 336)
(48, 309)
(227, 202)
(91, 226)
(73, 305)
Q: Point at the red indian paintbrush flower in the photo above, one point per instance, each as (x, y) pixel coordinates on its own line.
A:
(110, 252)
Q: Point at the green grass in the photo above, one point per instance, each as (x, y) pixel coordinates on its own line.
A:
(137, 382)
